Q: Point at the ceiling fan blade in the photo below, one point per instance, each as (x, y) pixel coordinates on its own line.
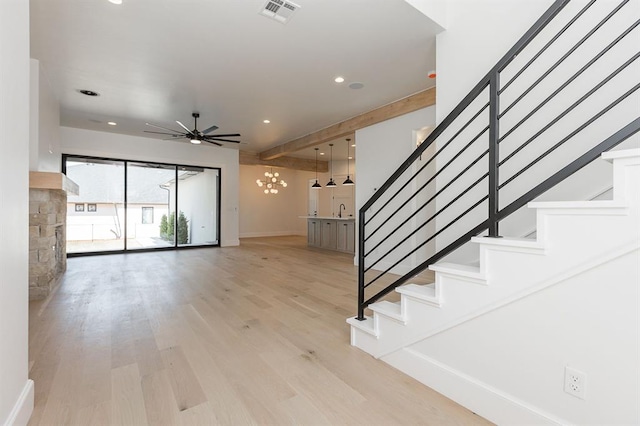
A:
(164, 128)
(162, 133)
(175, 137)
(213, 138)
(183, 126)
(209, 130)
(215, 143)
(224, 136)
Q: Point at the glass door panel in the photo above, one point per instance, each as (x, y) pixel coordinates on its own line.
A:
(150, 209)
(198, 206)
(95, 217)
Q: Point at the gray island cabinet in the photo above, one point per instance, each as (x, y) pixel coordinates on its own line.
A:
(331, 233)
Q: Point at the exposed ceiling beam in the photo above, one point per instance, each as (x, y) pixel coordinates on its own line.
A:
(251, 159)
(348, 127)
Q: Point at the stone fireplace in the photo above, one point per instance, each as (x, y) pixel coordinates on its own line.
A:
(47, 230)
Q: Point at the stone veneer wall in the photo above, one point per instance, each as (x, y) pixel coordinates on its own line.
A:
(47, 251)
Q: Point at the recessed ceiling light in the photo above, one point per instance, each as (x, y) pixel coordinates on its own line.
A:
(353, 145)
(339, 79)
(266, 121)
(112, 123)
(356, 85)
(350, 158)
(88, 92)
(115, 1)
(322, 153)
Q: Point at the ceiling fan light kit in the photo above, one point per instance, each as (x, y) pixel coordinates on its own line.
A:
(195, 136)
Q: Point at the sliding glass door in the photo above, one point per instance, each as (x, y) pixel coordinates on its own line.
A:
(95, 218)
(134, 205)
(197, 206)
(149, 206)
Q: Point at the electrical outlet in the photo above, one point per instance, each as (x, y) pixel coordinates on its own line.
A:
(575, 383)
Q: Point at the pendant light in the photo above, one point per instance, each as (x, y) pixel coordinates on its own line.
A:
(331, 183)
(348, 180)
(316, 185)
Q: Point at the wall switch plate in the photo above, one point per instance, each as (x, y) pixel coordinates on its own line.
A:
(575, 383)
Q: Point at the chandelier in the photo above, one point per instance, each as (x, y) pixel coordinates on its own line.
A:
(271, 182)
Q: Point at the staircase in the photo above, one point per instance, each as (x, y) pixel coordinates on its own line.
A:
(512, 268)
(517, 135)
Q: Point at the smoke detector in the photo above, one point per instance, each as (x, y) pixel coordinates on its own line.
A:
(280, 10)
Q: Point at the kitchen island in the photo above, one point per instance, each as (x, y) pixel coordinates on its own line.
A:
(331, 233)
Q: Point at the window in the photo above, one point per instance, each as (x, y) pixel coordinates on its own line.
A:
(147, 215)
(142, 205)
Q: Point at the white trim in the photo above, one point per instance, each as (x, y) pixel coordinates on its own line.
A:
(230, 243)
(21, 412)
(477, 396)
(268, 234)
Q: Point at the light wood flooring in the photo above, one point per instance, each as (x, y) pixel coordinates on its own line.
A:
(244, 335)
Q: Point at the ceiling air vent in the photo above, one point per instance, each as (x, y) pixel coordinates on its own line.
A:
(280, 10)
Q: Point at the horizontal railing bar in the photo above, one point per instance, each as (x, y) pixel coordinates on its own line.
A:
(433, 157)
(431, 199)
(427, 163)
(571, 108)
(572, 134)
(430, 219)
(441, 253)
(419, 246)
(425, 223)
(546, 46)
(443, 168)
(576, 75)
(561, 60)
(577, 164)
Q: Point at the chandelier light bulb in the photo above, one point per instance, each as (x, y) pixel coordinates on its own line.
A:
(271, 182)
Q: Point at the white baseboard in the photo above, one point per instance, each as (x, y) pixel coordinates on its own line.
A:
(21, 412)
(484, 400)
(267, 234)
(230, 243)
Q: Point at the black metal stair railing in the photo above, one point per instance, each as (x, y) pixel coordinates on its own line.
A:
(467, 175)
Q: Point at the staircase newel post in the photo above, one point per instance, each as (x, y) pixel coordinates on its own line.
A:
(494, 158)
(361, 235)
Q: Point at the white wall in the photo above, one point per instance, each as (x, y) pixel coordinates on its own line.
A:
(44, 152)
(518, 353)
(16, 391)
(436, 10)
(381, 149)
(263, 214)
(495, 25)
(101, 144)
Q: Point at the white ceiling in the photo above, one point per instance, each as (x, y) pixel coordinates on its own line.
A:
(158, 61)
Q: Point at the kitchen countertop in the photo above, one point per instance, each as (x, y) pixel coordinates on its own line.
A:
(327, 217)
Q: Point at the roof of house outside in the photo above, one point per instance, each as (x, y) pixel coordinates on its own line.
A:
(102, 183)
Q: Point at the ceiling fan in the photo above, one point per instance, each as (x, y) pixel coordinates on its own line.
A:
(195, 136)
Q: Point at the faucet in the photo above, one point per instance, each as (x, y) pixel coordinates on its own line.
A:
(340, 209)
